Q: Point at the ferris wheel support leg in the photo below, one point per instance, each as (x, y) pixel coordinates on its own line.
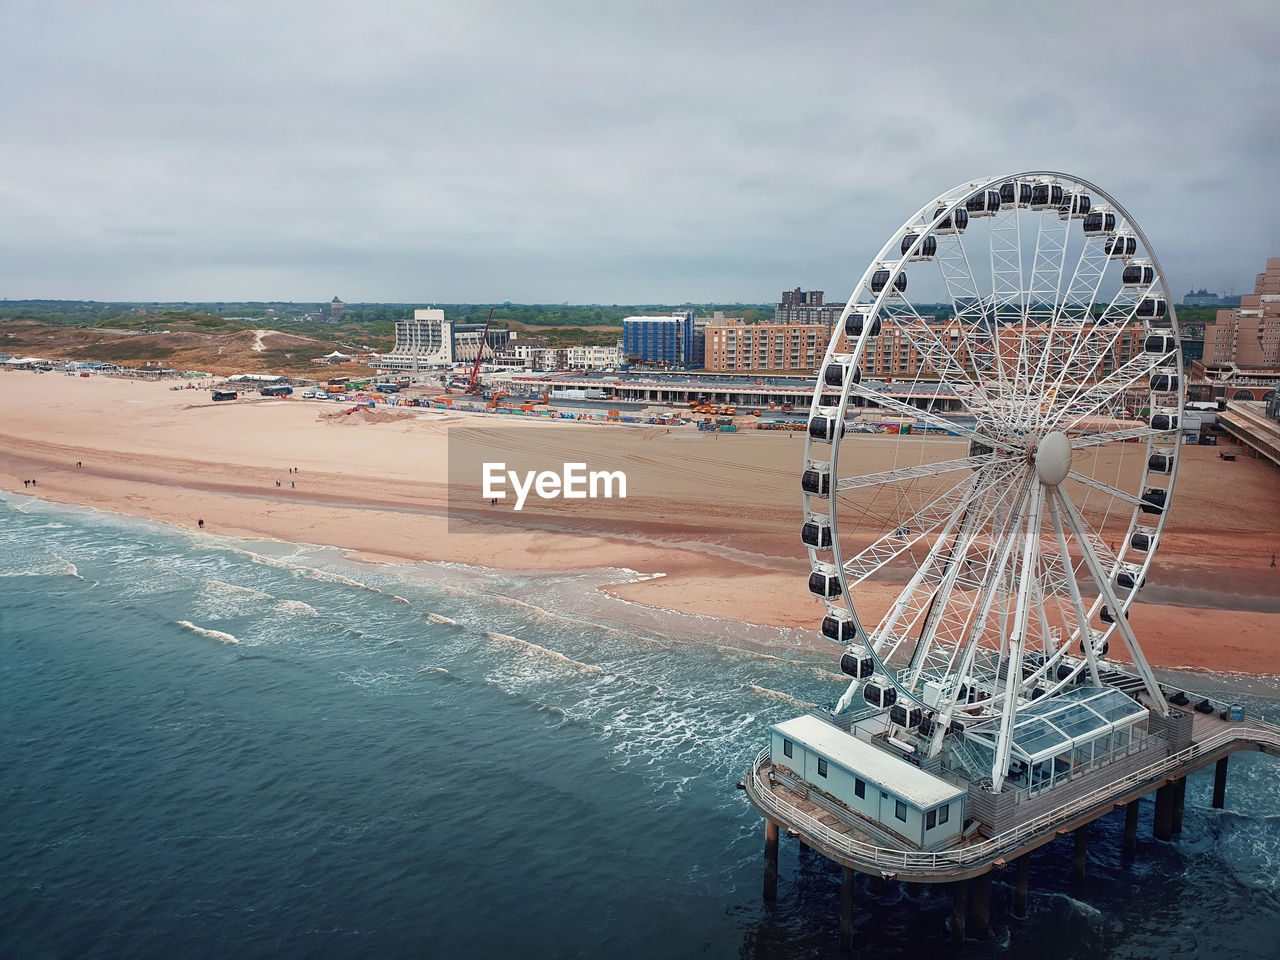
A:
(966, 664)
(1018, 639)
(1108, 595)
(1077, 604)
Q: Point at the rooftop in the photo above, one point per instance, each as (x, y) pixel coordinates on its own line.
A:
(1054, 725)
(923, 790)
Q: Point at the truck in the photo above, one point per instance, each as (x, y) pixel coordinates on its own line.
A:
(276, 390)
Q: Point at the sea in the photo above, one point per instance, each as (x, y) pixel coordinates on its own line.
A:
(220, 748)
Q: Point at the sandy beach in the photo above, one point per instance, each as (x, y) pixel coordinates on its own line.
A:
(718, 518)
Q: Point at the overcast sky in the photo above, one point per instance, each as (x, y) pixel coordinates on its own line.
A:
(603, 151)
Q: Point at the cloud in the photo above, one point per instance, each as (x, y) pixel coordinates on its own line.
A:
(598, 152)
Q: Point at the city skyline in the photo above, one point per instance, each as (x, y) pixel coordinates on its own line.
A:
(571, 152)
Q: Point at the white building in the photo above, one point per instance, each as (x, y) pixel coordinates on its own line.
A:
(429, 340)
(594, 358)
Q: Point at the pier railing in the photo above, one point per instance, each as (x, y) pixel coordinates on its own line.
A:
(889, 859)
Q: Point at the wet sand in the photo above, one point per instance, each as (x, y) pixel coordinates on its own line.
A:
(718, 517)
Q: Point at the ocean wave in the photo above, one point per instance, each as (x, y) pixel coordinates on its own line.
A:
(779, 695)
(440, 618)
(205, 632)
(220, 588)
(69, 567)
(296, 607)
(314, 573)
(534, 648)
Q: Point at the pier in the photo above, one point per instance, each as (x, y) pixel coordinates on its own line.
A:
(1191, 740)
(1253, 430)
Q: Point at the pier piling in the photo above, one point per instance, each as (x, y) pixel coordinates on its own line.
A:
(1220, 784)
(846, 911)
(876, 884)
(980, 904)
(1082, 847)
(1020, 886)
(770, 860)
(960, 888)
(1179, 803)
(1163, 825)
(1130, 827)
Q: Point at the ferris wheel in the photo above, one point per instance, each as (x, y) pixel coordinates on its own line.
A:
(996, 443)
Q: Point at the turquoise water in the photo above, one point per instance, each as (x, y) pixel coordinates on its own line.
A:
(212, 748)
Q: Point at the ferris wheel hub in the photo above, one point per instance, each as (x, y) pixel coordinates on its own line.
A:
(1053, 458)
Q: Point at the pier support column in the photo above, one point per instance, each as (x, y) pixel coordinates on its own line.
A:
(846, 911)
(1163, 826)
(1082, 847)
(770, 860)
(876, 884)
(961, 890)
(1179, 803)
(804, 847)
(1130, 827)
(1220, 784)
(980, 904)
(1020, 886)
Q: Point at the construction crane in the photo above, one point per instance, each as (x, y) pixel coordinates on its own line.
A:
(473, 384)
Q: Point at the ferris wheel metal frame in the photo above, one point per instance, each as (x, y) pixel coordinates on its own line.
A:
(1036, 359)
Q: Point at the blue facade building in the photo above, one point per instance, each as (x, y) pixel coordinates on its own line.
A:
(668, 341)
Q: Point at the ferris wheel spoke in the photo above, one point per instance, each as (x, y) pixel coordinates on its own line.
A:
(1129, 434)
(1105, 393)
(1103, 487)
(1083, 630)
(932, 351)
(1103, 583)
(876, 398)
(947, 624)
(914, 473)
(889, 546)
(1093, 350)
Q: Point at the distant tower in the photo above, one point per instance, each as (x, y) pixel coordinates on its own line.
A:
(336, 307)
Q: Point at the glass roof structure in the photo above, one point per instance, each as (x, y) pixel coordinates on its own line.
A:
(1054, 725)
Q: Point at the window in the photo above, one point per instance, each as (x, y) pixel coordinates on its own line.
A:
(822, 767)
(900, 810)
(859, 789)
(786, 748)
(931, 819)
(944, 813)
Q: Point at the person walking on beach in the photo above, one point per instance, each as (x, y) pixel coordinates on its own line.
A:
(1273, 559)
(26, 483)
(277, 483)
(292, 485)
(200, 524)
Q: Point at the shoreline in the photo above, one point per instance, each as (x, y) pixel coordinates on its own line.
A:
(377, 492)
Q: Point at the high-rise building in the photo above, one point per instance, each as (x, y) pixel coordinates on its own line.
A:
(665, 341)
(734, 345)
(1248, 336)
(801, 306)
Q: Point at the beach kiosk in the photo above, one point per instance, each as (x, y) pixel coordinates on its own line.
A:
(873, 782)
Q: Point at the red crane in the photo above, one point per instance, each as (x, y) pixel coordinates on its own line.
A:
(473, 384)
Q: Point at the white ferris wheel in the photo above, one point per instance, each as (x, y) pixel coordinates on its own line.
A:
(1005, 461)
